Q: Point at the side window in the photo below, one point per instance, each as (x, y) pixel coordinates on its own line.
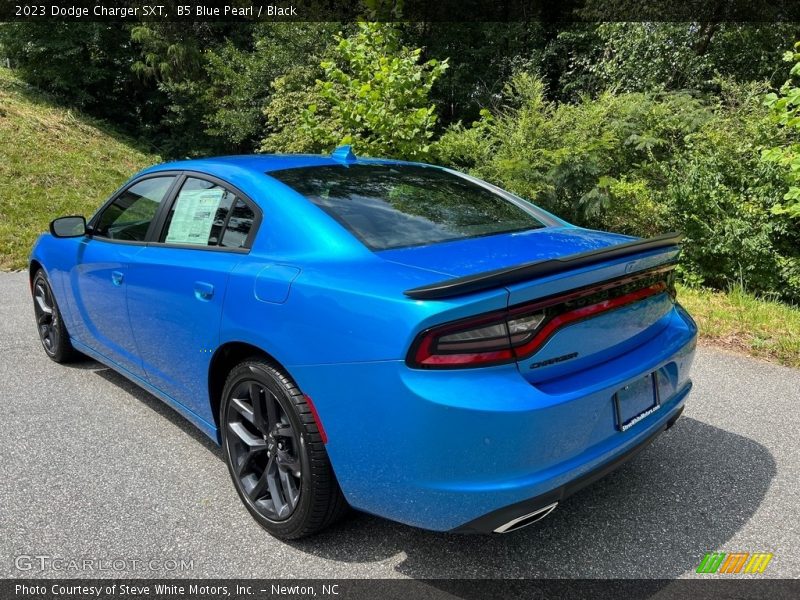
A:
(207, 214)
(129, 216)
(239, 226)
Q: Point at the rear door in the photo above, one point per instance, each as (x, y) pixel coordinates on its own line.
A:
(177, 285)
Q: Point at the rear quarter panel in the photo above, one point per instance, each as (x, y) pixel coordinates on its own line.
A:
(338, 312)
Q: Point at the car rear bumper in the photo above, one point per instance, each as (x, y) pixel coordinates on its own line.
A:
(516, 516)
(463, 450)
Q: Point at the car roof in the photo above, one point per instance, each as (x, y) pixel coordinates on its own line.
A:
(265, 163)
(250, 174)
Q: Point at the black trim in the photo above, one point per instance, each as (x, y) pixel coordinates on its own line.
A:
(154, 231)
(509, 275)
(161, 217)
(154, 234)
(77, 235)
(489, 522)
(167, 196)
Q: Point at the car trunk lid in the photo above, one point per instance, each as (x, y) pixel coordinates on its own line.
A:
(599, 295)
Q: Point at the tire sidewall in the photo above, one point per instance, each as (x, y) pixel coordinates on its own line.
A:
(57, 350)
(268, 377)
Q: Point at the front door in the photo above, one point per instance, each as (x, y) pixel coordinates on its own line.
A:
(98, 281)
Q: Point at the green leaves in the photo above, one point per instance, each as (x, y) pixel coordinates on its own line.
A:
(647, 163)
(374, 94)
(785, 111)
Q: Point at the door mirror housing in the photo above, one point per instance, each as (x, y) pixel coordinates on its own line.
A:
(67, 227)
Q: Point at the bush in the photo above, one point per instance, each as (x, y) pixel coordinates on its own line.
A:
(372, 92)
(646, 163)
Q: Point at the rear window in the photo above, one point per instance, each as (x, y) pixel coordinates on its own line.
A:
(394, 206)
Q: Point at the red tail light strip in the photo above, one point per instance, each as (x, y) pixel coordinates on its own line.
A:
(559, 321)
(602, 287)
(473, 358)
(425, 352)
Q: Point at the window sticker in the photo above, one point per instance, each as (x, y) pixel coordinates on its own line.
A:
(193, 217)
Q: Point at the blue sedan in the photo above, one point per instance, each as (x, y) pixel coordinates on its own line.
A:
(395, 337)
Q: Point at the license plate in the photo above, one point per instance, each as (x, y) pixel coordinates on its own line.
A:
(636, 401)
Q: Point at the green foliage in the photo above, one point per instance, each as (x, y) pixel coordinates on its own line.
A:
(82, 65)
(736, 319)
(576, 159)
(632, 127)
(175, 58)
(374, 94)
(643, 164)
(291, 94)
(240, 78)
(785, 110)
(482, 56)
(625, 57)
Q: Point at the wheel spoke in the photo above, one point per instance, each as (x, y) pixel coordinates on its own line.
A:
(240, 406)
(283, 430)
(254, 392)
(272, 408)
(289, 464)
(290, 490)
(257, 491)
(274, 491)
(43, 304)
(253, 442)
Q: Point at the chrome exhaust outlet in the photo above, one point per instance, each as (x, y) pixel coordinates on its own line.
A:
(524, 520)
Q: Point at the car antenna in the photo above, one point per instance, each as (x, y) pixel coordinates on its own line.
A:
(344, 154)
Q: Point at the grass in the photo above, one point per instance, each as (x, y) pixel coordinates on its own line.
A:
(53, 162)
(741, 322)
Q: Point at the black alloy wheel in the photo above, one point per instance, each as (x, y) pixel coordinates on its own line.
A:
(275, 453)
(264, 450)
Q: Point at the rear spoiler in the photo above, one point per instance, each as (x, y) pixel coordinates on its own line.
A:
(508, 275)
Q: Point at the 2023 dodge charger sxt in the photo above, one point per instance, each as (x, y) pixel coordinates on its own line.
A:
(396, 337)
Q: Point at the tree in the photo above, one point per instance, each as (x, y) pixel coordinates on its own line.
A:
(240, 78)
(84, 65)
(785, 107)
(374, 93)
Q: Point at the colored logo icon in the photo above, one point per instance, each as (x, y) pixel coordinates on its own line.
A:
(734, 562)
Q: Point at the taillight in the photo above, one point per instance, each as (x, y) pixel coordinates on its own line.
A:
(519, 331)
(482, 341)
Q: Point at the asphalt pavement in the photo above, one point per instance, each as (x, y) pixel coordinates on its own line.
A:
(93, 468)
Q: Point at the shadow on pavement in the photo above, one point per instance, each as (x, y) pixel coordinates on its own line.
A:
(688, 493)
(146, 398)
(655, 517)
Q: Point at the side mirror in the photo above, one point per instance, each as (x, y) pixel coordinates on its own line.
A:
(67, 227)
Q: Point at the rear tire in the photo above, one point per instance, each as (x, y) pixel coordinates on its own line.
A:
(52, 331)
(275, 454)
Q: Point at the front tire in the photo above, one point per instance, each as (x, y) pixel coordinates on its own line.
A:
(275, 453)
(52, 331)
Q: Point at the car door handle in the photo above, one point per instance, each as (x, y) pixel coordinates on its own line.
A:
(203, 290)
(117, 277)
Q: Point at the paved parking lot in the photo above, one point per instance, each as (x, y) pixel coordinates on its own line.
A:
(93, 467)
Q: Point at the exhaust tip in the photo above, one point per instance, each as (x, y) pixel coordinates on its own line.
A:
(526, 520)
